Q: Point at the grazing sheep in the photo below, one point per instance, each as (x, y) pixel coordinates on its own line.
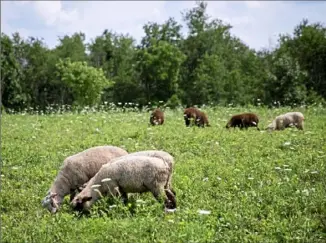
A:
(168, 158)
(165, 156)
(199, 118)
(286, 120)
(243, 120)
(76, 171)
(157, 117)
(128, 174)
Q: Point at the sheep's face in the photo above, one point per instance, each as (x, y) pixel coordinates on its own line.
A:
(270, 127)
(81, 203)
(50, 202)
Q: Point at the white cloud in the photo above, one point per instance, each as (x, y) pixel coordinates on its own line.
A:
(257, 23)
(53, 13)
(253, 4)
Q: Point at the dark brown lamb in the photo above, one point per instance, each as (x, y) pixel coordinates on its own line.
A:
(157, 117)
(243, 120)
(198, 117)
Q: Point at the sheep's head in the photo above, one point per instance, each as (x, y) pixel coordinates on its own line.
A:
(51, 202)
(81, 202)
(270, 127)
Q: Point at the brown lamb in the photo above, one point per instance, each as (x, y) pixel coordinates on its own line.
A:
(243, 120)
(157, 117)
(198, 117)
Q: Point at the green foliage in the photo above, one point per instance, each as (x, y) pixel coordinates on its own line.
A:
(208, 65)
(173, 102)
(258, 186)
(12, 88)
(86, 83)
(286, 81)
(159, 67)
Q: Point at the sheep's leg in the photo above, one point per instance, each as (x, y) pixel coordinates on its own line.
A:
(159, 194)
(170, 201)
(187, 122)
(124, 195)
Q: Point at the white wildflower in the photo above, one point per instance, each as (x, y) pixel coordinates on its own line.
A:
(140, 201)
(306, 192)
(204, 212)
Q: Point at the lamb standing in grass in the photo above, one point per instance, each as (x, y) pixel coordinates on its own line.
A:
(77, 170)
(195, 116)
(243, 120)
(157, 117)
(286, 120)
(128, 174)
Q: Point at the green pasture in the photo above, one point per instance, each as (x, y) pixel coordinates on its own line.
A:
(257, 186)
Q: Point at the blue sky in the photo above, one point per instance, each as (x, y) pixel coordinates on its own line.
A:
(257, 23)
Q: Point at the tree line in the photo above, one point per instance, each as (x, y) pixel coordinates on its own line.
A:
(208, 66)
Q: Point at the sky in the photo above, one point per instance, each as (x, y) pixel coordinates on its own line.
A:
(256, 23)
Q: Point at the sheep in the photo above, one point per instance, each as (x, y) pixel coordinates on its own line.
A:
(192, 113)
(128, 174)
(243, 120)
(157, 117)
(286, 120)
(76, 171)
(168, 158)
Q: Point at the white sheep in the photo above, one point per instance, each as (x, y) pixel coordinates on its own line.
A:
(168, 158)
(128, 174)
(286, 120)
(77, 170)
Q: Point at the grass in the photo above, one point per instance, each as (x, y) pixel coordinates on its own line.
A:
(258, 186)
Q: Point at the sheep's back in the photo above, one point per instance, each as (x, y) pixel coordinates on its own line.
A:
(84, 165)
(168, 158)
(135, 172)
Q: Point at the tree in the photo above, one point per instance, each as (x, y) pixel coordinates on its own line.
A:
(12, 90)
(72, 47)
(286, 81)
(159, 67)
(308, 47)
(86, 83)
(170, 31)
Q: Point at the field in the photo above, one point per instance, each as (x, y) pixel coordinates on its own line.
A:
(258, 186)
